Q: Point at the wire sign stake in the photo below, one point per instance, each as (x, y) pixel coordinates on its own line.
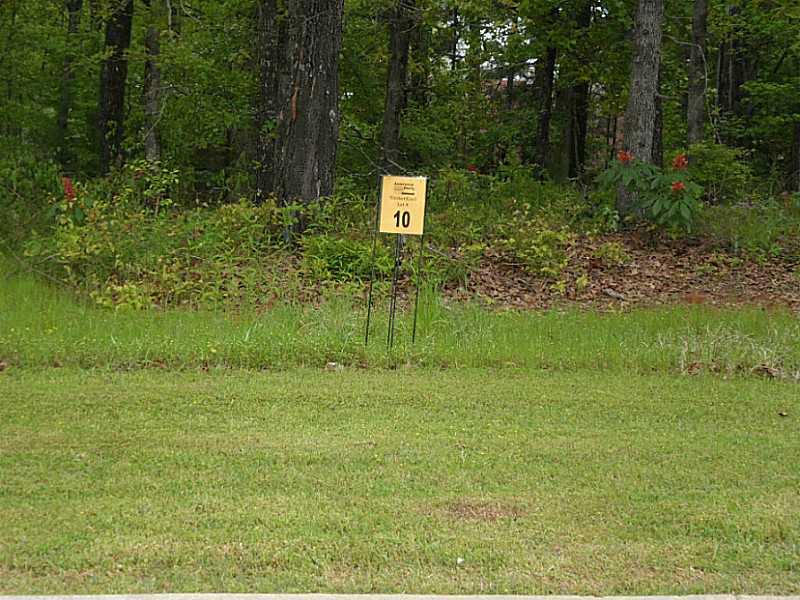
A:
(400, 211)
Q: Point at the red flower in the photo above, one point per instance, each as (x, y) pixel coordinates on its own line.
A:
(472, 168)
(680, 162)
(678, 186)
(624, 157)
(69, 190)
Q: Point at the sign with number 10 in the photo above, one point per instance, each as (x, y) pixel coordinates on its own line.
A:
(403, 205)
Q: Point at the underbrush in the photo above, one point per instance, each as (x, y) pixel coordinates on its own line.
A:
(125, 242)
(765, 231)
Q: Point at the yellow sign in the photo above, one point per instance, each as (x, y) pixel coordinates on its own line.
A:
(403, 205)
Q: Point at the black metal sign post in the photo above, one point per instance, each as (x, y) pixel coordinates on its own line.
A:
(398, 261)
(409, 196)
(372, 260)
(419, 278)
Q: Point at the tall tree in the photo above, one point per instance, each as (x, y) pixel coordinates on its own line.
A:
(401, 26)
(307, 126)
(795, 166)
(578, 103)
(152, 80)
(658, 128)
(735, 64)
(698, 74)
(270, 28)
(641, 112)
(420, 52)
(74, 8)
(113, 81)
(544, 83)
(545, 75)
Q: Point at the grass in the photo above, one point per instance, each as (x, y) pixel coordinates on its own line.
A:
(418, 480)
(41, 327)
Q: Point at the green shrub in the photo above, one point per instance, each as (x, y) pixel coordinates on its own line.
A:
(453, 266)
(721, 171)
(329, 258)
(761, 232)
(612, 254)
(28, 183)
(107, 244)
(529, 240)
(670, 199)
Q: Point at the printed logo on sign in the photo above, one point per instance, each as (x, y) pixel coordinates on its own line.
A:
(403, 205)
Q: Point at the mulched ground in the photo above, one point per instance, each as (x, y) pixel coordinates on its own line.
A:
(656, 272)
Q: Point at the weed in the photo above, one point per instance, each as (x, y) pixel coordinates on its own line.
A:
(613, 254)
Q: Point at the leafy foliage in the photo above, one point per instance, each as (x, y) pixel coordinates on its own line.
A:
(669, 199)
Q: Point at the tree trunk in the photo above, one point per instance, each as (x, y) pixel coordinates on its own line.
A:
(95, 15)
(8, 68)
(113, 80)
(658, 127)
(420, 51)
(795, 181)
(578, 107)
(269, 39)
(640, 115)
(698, 72)
(401, 25)
(545, 109)
(456, 38)
(577, 129)
(734, 69)
(74, 8)
(308, 116)
(152, 83)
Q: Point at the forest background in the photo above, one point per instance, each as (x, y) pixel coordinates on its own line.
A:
(167, 152)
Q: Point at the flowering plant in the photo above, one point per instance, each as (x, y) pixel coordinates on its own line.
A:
(668, 198)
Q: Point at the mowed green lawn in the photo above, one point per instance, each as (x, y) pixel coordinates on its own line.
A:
(397, 481)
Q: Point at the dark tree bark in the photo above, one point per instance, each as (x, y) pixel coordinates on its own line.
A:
(640, 115)
(658, 127)
(74, 8)
(95, 16)
(795, 180)
(152, 83)
(401, 26)
(269, 39)
(734, 69)
(698, 71)
(420, 52)
(577, 125)
(577, 129)
(456, 38)
(8, 68)
(113, 80)
(546, 79)
(308, 115)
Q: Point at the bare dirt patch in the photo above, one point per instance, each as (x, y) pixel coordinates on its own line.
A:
(477, 510)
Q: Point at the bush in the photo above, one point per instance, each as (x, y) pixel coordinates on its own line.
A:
(612, 254)
(670, 199)
(125, 254)
(27, 185)
(721, 172)
(761, 232)
(329, 258)
(533, 243)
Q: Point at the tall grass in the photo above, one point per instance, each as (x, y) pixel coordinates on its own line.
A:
(42, 326)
